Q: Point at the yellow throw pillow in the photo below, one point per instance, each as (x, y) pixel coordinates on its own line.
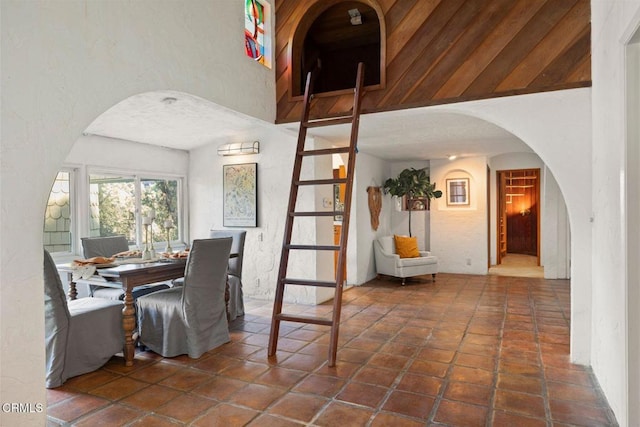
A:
(407, 247)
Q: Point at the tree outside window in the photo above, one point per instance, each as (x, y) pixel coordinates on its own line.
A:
(114, 201)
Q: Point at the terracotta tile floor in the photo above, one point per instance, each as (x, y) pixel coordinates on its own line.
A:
(465, 351)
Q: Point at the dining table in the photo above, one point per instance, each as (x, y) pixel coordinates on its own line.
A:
(128, 274)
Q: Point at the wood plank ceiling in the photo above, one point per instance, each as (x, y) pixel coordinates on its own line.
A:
(445, 51)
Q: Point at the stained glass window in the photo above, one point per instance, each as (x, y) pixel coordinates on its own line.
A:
(256, 42)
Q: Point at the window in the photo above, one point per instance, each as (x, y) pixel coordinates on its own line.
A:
(108, 204)
(256, 39)
(162, 196)
(458, 191)
(117, 204)
(58, 218)
(112, 207)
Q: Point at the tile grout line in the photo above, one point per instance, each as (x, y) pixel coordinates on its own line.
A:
(496, 364)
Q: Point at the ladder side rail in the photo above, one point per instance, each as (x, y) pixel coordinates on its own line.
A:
(351, 163)
(293, 196)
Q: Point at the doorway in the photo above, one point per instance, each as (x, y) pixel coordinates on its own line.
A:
(338, 201)
(518, 214)
(331, 39)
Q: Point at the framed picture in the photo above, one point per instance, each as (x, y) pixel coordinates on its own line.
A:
(240, 188)
(458, 191)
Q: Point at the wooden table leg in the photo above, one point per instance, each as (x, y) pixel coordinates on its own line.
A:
(227, 297)
(73, 291)
(128, 324)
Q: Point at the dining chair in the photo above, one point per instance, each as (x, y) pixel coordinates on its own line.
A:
(189, 319)
(236, 298)
(235, 307)
(80, 335)
(107, 247)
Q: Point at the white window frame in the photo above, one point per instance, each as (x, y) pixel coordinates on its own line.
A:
(79, 199)
(137, 177)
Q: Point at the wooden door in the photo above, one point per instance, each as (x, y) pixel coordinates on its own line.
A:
(521, 211)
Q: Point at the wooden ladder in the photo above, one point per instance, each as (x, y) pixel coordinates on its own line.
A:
(292, 214)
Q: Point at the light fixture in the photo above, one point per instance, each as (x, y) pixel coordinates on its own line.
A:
(169, 100)
(452, 157)
(356, 17)
(239, 148)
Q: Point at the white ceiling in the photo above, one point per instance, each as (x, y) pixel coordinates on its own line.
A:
(181, 121)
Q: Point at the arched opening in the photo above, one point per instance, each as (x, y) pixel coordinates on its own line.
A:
(331, 39)
(632, 229)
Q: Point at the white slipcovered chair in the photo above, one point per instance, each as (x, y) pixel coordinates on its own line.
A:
(235, 307)
(80, 335)
(389, 263)
(236, 299)
(189, 319)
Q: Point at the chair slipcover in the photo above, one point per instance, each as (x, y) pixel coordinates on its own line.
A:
(236, 296)
(80, 335)
(236, 299)
(106, 247)
(388, 262)
(189, 319)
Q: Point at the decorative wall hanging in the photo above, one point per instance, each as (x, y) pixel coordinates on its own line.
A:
(240, 188)
(375, 205)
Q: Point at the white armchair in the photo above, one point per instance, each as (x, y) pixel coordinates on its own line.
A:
(389, 263)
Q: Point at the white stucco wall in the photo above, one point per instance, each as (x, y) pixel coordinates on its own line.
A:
(370, 171)
(613, 24)
(99, 152)
(263, 243)
(459, 233)
(63, 64)
(555, 230)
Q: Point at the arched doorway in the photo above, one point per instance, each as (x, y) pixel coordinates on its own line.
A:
(331, 39)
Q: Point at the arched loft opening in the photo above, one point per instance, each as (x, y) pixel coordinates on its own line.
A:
(333, 37)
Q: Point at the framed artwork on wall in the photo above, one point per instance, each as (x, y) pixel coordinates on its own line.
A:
(458, 192)
(240, 200)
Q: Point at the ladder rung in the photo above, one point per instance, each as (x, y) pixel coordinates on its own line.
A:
(317, 213)
(324, 151)
(314, 247)
(322, 181)
(302, 282)
(328, 122)
(304, 319)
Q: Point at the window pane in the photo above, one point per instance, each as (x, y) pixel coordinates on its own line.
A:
(57, 216)
(254, 30)
(161, 195)
(112, 206)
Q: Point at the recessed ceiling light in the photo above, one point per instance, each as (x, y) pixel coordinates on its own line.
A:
(452, 157)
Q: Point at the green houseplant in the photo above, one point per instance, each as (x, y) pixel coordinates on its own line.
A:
(412, 183)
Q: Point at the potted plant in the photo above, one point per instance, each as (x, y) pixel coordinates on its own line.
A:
(412, 183)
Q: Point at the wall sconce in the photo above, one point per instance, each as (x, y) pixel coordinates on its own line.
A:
(239, 148)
